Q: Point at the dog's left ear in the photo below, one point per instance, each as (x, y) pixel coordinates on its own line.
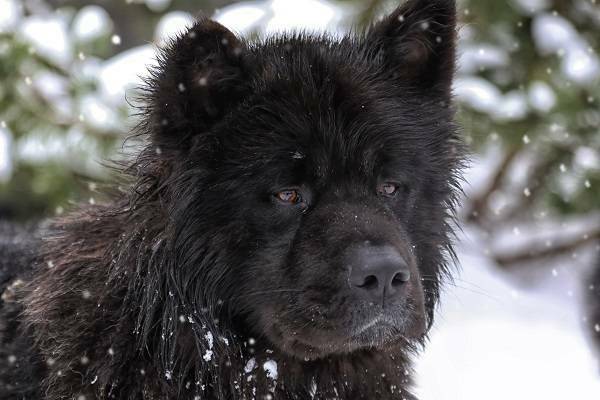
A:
(418, 43)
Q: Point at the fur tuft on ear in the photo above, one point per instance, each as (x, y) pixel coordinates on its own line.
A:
(418, 43)
(200, 76)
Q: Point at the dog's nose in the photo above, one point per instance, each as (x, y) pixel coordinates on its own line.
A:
(377, 272)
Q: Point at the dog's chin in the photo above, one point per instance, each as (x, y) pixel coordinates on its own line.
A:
(377, 334)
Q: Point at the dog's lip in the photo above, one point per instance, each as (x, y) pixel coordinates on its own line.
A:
(378, 320)
(384, 328)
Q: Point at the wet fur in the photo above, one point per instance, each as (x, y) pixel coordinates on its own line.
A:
(175, 289)
(592, 300)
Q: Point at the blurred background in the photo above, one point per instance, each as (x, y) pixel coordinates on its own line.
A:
(514, 323)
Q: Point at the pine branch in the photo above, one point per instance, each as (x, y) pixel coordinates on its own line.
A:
(479, 206)
(541, 251)
(536, 184)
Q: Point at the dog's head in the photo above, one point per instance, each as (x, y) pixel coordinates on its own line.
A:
(310, 180)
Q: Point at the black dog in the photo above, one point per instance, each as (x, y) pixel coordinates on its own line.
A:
(285, 235)
(593, 307)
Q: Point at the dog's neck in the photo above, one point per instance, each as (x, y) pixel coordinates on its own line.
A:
(260, 371)
(176, 357)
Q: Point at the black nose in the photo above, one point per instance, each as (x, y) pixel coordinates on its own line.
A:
(377, 272)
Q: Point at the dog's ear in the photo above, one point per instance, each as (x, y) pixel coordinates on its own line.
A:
(417, 42)
(200, 76)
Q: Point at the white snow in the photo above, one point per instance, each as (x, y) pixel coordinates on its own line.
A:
(115, 39)
(75, 150)
(270, 16)
(99, 115)
(541, 231)
(580, 65)
(513, 106)
(524, 340)
(6, 166)
(172, 24)
(54, 88)
(91, 22)
(207, 355)
(529, 7)
(478, 93)
(242, 17)
(120, 74)
(37, 148)
(310, 15)
(472, 58)
(270, 368)
(250, 365)
(515, 336)
(88, 69)
(49, 37)
(541, 96)
(11, 11)
(587, 158)
(487, 161)
(209, 339)
(497, 341)
(313, 388)
(554, 34)
(124, 71)
(481, 95)
(158, 5)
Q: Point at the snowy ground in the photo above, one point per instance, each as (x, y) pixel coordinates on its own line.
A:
(496, 339)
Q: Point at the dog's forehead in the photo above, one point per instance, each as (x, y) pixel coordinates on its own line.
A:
(315, 64)
(319, 92)
(324, 106)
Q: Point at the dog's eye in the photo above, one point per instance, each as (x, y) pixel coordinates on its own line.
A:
(289, 196)
(388, 189)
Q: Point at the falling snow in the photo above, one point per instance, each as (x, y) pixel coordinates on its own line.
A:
(520, 335)
(270, 368)
(209, 339)
(208, 354)
(250, 365)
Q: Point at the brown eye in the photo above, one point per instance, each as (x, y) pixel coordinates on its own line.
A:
(387, 189)
(288, 196)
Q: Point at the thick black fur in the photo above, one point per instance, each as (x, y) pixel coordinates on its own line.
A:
(592, 299)
(18, 249)
(198, 281)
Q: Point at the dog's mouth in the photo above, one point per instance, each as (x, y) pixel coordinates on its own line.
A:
(378, 331)
(325, 320)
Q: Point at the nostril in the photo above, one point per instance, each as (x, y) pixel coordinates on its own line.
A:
(401, 277)
(370, 282)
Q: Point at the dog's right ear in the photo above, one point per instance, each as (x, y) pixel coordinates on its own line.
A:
(199, 78)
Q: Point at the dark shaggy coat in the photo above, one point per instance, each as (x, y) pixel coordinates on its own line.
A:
(592, 292)
(222, 273)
